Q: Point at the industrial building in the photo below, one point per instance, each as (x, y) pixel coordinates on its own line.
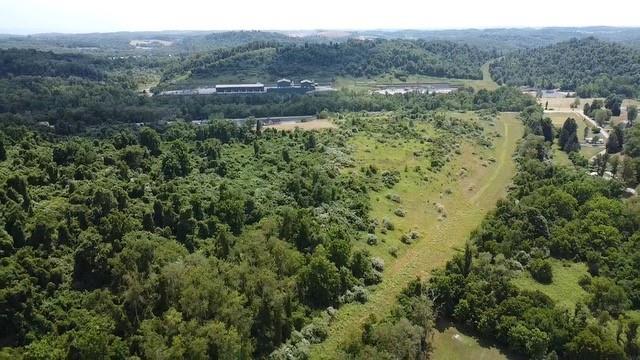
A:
(284, 83)
(240, 88)
(283, 86)
(307, 84)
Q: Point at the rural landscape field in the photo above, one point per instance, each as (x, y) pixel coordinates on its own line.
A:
(364, 191)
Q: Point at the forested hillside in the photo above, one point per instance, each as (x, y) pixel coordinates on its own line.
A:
(73, 99)
(142, 43)
(589, 66)
(15, 62)
(351, 58)
(506, 40)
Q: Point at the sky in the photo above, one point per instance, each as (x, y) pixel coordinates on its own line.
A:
(79, 16)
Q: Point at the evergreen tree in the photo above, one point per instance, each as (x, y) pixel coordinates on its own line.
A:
(632, 114)
(3, 152)
(614, 144)
(568, 139)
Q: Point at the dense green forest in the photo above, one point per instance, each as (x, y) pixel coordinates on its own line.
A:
(552, 213)
(351, 58)
(590, 67)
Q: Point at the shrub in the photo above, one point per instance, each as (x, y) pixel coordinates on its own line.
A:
(377, 263)
(387, 224)
(393, 251)
(390, 178)
(400, 212)
(541, 271)
(410, 237)
(394, 197)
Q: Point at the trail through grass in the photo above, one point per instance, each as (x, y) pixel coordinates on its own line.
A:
(464, 198)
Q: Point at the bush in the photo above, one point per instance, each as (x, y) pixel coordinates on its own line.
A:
(377, 263)
(410, 237)
(394, 197)
(400, 212)
(387, 224)
(541, 271)
(390, 178)
(358, 293)
(393, 251)
(372, 239)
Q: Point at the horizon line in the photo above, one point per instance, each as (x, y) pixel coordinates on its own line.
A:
(16, 32)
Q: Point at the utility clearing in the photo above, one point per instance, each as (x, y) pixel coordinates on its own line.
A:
(443, 212)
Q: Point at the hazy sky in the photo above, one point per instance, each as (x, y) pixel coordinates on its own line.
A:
(30, 16)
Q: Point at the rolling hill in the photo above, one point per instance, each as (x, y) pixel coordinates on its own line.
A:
(355, 58)
(589, 66)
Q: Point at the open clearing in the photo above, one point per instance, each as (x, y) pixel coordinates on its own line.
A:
(564, 104)
(564, 289)
(588, 151)
(305, 125)
(465, 198)
(451, 344)
(387, 79)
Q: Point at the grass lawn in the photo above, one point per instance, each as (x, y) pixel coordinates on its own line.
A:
(564, 289)
(465, 198)
(451, 344)
(560, 157)
(591, 151)
(558, 120)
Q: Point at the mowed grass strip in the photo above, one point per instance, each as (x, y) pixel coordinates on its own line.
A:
(464, 199)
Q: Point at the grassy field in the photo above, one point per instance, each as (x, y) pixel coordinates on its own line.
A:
(388, 79)
(464, 196)
(564, 289)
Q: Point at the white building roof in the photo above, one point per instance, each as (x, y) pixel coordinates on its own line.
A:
(223, 86)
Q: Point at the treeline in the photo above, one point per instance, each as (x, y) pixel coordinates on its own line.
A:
(203, 107)
(591, 67)
(72, 91)
(72, 104)
(552, 213)
(18, 62)
(350, 58)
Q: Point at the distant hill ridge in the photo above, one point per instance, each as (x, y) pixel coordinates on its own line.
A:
(590, 66)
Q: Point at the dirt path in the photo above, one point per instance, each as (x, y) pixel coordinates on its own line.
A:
(465, 211)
